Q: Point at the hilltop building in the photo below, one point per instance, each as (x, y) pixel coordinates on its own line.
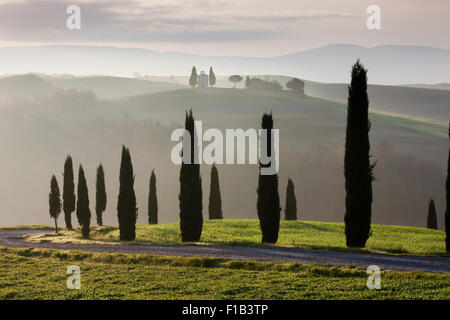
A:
(203, 80)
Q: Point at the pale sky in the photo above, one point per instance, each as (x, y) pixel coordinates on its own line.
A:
(225, 27)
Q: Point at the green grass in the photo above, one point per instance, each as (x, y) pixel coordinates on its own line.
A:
(300, 234)
(41, 274)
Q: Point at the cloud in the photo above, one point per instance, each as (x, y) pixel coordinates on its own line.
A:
(137, 21)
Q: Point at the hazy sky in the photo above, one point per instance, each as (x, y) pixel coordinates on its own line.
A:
(225, 27)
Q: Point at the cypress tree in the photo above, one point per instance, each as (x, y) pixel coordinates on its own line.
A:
(215, 200)
(193, 79)
(358, 169)
(190, 197)
(212, 77)
(290, 210)
(268, 203)
(83, 212)
(447, 198)
(54, 201)
(68, 192)
(127, 211)
(431, 218)
(100, 195)
(152, 200)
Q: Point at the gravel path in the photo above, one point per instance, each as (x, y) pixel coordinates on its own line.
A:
(14, 238)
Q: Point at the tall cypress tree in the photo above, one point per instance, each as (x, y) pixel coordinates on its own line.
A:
(431, 218)
(100, 195)
(191, 216)
(358, 169)
(54, 201)
(152, 200)
(212, 77)
(290, 210)
(68, 192)
(193, 79)
(447, 198)
(215, 200)
(127, 211)
(83, 212)
(268, 203)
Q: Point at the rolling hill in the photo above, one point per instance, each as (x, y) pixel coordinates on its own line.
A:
(417, 102)
(410, 152)
(28, 86)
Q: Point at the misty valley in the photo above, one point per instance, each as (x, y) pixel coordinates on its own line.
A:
(39, 129)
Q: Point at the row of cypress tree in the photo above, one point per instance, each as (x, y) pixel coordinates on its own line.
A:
(78, 204)
(126, 197)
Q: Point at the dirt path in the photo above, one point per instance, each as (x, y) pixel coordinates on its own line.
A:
(14, 238)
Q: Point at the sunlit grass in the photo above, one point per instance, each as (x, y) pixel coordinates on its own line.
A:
(299, 234)
(41, 274)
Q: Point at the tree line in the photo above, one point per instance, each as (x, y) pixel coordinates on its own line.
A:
(294, 84)
(190, 196)
(358, 172)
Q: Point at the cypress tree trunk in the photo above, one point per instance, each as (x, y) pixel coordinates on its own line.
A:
(126, 205)
(447, 198)
(432, 218)
(152, 200)
(268, 203)
(83, 212)
(215, 200)
(357, 167)
(290, 211)
(100, 195)
(68, 192)
(191, 216)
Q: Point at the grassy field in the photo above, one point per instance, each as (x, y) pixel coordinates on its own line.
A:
(300, 234)
(41, 274)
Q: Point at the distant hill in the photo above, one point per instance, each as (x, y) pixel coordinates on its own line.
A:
(413, 101)
(386, 64)
(114, 87)
(30, 85)
(410, 100)
(24, 86)
(438, 86)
